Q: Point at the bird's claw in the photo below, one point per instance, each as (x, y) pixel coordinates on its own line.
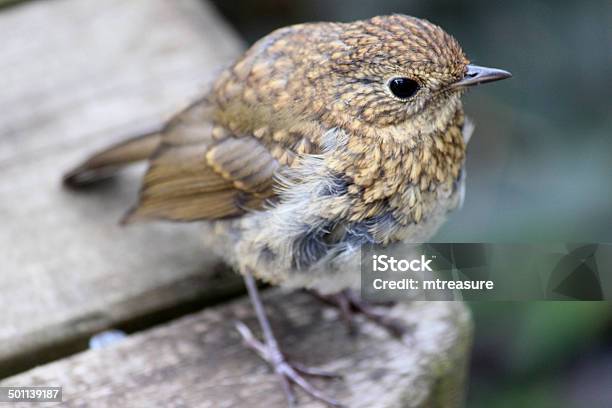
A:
(288, 373)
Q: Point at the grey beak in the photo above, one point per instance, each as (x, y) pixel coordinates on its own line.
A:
(479, 75)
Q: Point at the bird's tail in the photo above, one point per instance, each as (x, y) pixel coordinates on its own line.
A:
(107, 162)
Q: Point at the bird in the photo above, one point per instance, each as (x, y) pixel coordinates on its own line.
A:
(321, 138)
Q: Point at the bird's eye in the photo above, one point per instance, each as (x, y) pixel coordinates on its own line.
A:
(403, 88)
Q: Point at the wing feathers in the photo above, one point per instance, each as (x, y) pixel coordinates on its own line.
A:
(186, 207)
(194, 176)
(245, 161)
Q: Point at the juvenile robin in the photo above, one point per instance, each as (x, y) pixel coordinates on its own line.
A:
(321, 138)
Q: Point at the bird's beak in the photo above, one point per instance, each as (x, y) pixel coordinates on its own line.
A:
(479, 75)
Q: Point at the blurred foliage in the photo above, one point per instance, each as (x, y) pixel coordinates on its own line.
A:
(4, 3)
(539, 168)
(536, 354)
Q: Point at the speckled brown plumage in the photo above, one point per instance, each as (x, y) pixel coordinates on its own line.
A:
(299, 82)
(301, 151)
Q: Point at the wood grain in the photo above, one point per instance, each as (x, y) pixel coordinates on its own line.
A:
(199, 361)
(76, 76)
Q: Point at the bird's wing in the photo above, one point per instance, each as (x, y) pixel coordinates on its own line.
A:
(200, 171)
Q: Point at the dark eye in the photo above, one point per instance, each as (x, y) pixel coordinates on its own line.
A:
(403, 88)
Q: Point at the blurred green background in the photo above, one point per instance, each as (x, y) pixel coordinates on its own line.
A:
(539, 169)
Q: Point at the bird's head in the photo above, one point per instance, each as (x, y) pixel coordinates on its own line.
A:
(386, 72)
(398, 70)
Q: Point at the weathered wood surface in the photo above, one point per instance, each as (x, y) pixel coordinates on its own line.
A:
(77, 75)
(199, 361)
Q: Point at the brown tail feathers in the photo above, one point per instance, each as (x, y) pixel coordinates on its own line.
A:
(104, 164)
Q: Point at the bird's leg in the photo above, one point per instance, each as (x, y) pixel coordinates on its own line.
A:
(269, 350)
(350, 303)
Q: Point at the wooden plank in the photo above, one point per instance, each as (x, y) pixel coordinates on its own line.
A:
(78, 75)
(199, 361)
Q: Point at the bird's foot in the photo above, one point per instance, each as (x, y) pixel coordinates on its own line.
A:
(288, 373)
(351, 303)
